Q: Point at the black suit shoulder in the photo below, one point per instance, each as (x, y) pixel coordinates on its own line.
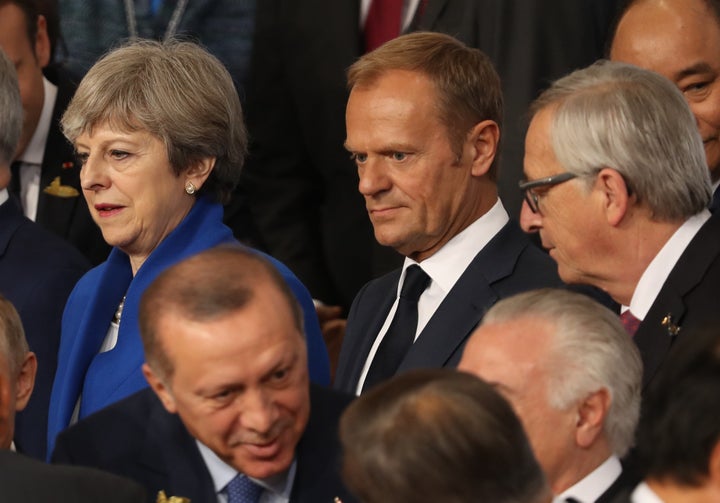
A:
(139, 439)
(31, 481)
(319, 453)
(38, 270)
(67, 217)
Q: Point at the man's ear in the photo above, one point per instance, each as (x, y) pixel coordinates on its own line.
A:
(160, 388)
(616, 197)
(25, 381)
(42, 43)
(591, 417)
(199, 172)
(484, 138)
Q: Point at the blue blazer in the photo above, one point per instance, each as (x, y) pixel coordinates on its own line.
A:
(38, 270)
(507, 265)
(139, 439)
(105, 378)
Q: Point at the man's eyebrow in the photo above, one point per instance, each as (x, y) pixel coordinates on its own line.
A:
(693, 70)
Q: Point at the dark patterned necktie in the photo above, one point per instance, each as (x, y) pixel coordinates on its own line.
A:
(243, 490)
(401, 334)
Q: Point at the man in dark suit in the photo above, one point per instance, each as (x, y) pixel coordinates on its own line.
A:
(30, 481)
(573, 375)
(618, 188)
(679, 39)
(423, 125)
(302, 187)
(46, 178)
(24, 479)
(209, 424)
(38, 271)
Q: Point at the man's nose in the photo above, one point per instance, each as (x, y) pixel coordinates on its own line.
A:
(529, 220)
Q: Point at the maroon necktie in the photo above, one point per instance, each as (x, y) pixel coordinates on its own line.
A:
(383, 22)
(630, 322)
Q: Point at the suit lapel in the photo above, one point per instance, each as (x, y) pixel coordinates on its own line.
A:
(653, 338)
(58, 160)
(464, 306)
(428, 14)
(11, 218)
(171, 455)
(381, 295)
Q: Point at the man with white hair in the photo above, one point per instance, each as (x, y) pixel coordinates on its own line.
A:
(618, 188)
(573, 376)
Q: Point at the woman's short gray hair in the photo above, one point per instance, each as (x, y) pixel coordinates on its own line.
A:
(615, 115)
(174, 90)
(590, 350)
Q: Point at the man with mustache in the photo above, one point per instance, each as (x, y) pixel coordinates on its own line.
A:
(230, 409)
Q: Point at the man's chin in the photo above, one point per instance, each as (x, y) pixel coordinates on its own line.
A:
(263, 468)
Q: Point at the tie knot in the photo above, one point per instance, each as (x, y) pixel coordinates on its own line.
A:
(416, 281)
(243, 490)
(630, 322)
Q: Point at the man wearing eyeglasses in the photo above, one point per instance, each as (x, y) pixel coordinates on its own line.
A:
(618, 187)
(423, 126)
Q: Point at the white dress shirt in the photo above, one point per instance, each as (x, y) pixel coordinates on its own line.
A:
(444, 268)
(643, 494)
(654, 276)
(593, 485)
(277, 488)
(32, 157)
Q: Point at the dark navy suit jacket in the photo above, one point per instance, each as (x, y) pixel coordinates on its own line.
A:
(31, 481)
(507, 265)
(68, 217)
(139, 439)
(689, 298)
(38, 270)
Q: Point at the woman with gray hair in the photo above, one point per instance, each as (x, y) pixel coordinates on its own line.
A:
(159, 131)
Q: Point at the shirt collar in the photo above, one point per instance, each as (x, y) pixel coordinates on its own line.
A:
(35, 150)
(593, 485)
(3, 195)
(643, 494)
(654, 276)
(449, 263)
(222, 473)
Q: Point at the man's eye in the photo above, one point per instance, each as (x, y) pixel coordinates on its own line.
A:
(399, 156)
(222, 395)
(696, 88)
(358, 158)
(280, 374)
